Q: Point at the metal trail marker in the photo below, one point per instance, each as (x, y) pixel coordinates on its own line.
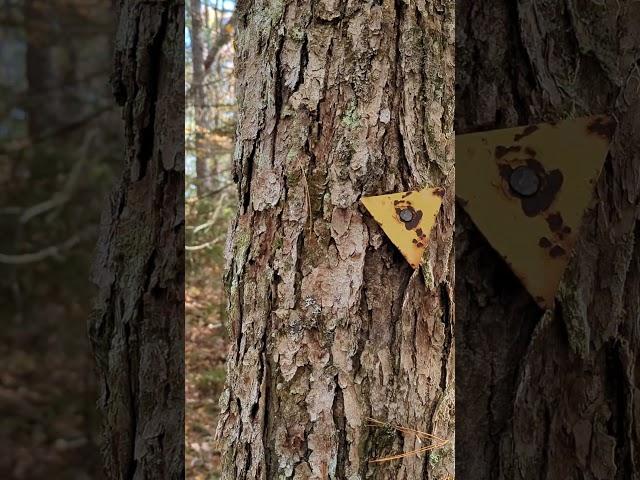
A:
(407, 218)
(526, 189)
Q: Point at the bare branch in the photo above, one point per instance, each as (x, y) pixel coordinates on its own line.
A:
(59, 198)
(62, 197)
(63, 130)
(221, 41)
(204, 245)
(214, 217)
(55, 251)
(210, 193)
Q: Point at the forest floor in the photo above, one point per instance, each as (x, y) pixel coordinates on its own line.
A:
(49, 427)
(48, 396)
(206, 345)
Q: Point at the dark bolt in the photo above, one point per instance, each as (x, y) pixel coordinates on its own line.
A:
(524, 181)
(406, 215)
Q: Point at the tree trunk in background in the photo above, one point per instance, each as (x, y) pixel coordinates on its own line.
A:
(63, 76)
(554, 395)
(329, 324)
(42, 74)
(137, 328)
(198, 91)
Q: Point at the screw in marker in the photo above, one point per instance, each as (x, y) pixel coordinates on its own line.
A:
(524, 181)
(406, 215)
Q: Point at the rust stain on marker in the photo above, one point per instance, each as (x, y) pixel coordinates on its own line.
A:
(550, 185)
(525, 132)
(602, 126)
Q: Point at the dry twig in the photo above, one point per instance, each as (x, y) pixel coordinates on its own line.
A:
(437, 442)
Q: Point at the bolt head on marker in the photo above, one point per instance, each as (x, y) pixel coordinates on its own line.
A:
(406, 215)
(524, 181)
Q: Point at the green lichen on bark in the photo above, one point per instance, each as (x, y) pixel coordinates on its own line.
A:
(574, 316)
(351, 118)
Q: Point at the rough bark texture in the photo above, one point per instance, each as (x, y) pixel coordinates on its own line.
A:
(338, 99)
(553, 395)
(137, 328)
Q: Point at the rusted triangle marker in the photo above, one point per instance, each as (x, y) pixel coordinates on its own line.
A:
(527, 188)
(407, 218)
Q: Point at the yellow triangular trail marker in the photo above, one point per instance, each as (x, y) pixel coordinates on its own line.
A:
(527, 188)
(407, 218)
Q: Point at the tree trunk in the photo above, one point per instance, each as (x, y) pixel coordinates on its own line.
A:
(553, 395)
(45, 64)
(137, 328)
(197, 61)
(329, 324)
(63, 79)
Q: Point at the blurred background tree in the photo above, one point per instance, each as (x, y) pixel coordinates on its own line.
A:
(210, 128)
(60, 142)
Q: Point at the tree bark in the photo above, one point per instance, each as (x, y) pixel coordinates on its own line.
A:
(553, 394)
(137, 327)
(329, 324)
